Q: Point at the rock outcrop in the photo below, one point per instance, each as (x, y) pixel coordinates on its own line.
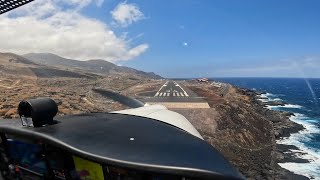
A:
(246, 132)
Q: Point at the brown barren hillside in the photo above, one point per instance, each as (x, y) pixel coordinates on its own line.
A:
(22, 79)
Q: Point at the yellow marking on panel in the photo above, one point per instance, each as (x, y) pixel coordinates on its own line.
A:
(89, 170)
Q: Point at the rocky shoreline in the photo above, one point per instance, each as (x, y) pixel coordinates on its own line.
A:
(244, 130)
(283, 127)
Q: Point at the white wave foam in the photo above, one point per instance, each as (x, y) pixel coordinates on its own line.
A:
(263, 96)
(294, 106)
(267, 95)
(277, 99)
(288, 106)
(312, 169)
(270, 95)
(306, 169)
(263, 100)
(272, 107)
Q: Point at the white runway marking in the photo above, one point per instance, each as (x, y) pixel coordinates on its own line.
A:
(175, 90)
(185, 93)
(165, 84)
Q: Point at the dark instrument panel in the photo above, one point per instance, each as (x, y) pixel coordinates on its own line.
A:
(108, 146)
(35, 161)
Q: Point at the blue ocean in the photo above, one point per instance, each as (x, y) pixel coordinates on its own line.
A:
(303, 98)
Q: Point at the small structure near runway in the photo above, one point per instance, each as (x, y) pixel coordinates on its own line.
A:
(203, 80)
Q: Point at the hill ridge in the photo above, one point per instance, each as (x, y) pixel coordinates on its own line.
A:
(93, 65)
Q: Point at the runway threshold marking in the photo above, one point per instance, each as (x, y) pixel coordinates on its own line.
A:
(185, 93)
(168, 92)
(165, 84)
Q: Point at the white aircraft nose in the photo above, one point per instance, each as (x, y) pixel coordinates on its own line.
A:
(162, 114)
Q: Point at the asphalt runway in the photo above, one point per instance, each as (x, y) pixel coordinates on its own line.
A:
(171, 91)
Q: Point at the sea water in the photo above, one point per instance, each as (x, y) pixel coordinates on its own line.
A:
(303, 99)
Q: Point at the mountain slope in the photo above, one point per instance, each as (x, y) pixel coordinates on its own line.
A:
(18, 66)
(94, 66)
(13, 58)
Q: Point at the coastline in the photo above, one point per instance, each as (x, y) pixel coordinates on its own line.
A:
(284, 153)
(304, 103)
(245, 131)
(248, 132)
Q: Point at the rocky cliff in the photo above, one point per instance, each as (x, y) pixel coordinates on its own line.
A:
(245, 131)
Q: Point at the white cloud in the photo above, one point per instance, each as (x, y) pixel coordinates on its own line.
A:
(137, 50)
(125, 14)
(45, 26)
(185, 44)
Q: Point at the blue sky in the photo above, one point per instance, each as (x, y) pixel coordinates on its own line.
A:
(234, 38)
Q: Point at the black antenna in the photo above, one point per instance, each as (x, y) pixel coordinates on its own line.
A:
(8, 5)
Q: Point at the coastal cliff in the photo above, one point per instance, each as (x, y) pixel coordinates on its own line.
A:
(245, 131)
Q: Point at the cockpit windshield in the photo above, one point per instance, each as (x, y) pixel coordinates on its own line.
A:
(187, 83)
